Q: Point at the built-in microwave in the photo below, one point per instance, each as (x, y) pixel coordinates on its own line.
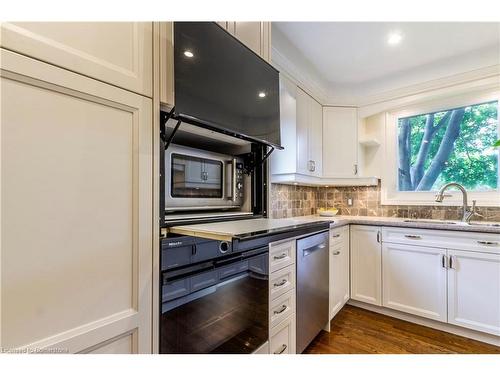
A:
(196, 179)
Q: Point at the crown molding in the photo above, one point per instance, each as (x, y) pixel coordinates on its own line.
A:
(306, 81)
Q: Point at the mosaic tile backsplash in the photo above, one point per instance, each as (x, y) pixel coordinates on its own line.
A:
(290, 200)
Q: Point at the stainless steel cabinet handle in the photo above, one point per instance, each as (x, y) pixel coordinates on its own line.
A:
(336, 253)
(281, 283)
(488, 242)
(378, 236)
(282, 256)
(355, 169)
(281, 350)
(277, 312)
(311, 166)
(451, 262)
(443, 261)
(278, 257)
(413, 236)
(336, 235)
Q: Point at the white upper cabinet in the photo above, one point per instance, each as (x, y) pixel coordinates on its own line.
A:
(474, 290)
(255, 35)
(414, 280)
(340, 142)
(119, 53)
(301, 134)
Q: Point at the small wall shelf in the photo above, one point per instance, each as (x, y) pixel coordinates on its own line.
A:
(370, 142)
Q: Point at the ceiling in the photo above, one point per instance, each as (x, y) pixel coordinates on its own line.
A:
(354, 58)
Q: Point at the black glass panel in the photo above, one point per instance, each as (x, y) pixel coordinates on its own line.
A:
(194, 177)
(230, 315)
(223, 83)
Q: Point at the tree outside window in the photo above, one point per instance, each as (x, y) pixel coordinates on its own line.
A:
(452, 145)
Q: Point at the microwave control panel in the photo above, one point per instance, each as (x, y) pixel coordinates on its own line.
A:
(239, 181)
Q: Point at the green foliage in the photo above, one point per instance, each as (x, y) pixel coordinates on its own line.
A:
(473, 162)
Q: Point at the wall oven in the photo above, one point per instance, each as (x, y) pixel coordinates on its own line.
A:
(196, 179)
(213, 300)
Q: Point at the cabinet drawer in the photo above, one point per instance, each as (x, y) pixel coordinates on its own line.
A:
(282, 337)
(281, 281)
(281, 255)
(281, 308)
(472, 241)
(337, 235)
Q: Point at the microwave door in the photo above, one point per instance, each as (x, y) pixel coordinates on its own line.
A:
(194, 177)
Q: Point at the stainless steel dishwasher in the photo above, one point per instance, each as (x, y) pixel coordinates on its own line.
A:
(312, 287)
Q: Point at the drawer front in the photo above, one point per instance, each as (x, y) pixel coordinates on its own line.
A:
(203, 280)
(337, 235)
(232, 269)
(471, 241)
(175, 256)
(281, 308)
(282, 337)
(281, 254)
(281, 281)
(175, 290)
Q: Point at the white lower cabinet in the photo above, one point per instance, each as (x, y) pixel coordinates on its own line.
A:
(414, 280)
(474, 290)
(282, 293)
(366, 264)
(282, 337)
(339, 269)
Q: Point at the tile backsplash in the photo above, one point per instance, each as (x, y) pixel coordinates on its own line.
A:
(291, 200)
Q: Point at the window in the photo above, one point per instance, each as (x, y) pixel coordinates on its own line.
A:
(443, 138)
(453, 145)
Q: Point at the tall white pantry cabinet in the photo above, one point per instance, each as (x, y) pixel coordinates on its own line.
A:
(76, 187)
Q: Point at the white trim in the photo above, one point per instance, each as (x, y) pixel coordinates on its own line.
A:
(305, 81)
(304, 180)
(446, 327)
(389, 193)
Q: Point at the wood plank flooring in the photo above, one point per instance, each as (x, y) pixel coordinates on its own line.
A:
(359, 331)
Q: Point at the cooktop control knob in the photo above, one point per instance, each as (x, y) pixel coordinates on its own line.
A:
(239, 185)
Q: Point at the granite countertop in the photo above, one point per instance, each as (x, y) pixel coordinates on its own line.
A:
(411, 223)
(227, 229)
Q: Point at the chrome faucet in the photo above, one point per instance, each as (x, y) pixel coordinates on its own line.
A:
(468, 214)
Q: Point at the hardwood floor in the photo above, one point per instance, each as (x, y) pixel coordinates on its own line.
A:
(359, 331)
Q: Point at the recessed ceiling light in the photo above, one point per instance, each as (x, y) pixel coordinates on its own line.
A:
(188, 53)
(262, 94)
(394, 38)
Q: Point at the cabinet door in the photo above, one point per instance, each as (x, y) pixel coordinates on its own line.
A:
(285, 161)
(119, 53)
(339, 273)
(303, 161)
(166, 50)
(255, 35)
(414, 280)
(315, 139)
(340, 142)
(366, 264)
(474, 290)
(76, 211)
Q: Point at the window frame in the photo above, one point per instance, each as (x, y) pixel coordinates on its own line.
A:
(390, 195)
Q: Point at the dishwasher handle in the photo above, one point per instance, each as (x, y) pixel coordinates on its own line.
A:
(312, 249)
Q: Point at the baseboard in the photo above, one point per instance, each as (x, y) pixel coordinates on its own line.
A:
(460, 331)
